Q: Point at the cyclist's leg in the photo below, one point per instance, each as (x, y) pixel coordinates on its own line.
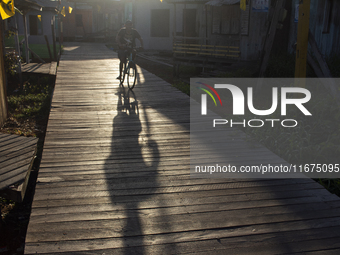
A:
(122, 60)
(134, 52)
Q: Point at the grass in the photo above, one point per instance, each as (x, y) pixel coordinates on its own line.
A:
(40, 49)
(26, 106)
(28, 109)
(182, 86)
(10, 41)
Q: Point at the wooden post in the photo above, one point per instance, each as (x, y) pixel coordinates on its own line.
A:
(270, 38)
(75, 20)
(36, 55)
(26, 39)
(174, 40)
(206, 24)
(302, 41)
(60, 33)
(174, 30)
(48, 47)
(3, 238)
(3, 91)
(53, 39)
(17, 46)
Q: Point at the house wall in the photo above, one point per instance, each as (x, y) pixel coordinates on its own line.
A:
(108, 17)
(142, 22)
(250, 43)
(200, 19)
(329, 42)
(46, 18)
(70, 28)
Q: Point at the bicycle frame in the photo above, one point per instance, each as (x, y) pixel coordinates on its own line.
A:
(129, 70)
(128, 60)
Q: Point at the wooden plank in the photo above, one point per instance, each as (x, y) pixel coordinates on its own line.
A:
(152, 190)
(202, 46)
(177, 209)
(155, 224)
(150, 181)
(53, 68)
(39, 68)
(184, 198)
(16, 159)
(217, 235)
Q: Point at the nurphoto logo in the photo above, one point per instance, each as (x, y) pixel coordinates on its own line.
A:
(238, 99)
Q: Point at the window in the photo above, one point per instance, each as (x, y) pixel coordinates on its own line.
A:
(35, 24)
(160, 23)
(189, 22)
(226, 19)
(79, 20)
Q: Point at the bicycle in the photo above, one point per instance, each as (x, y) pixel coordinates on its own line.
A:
(129, 69)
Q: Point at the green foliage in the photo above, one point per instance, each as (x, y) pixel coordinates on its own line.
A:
(333, 185)
(334, 64)
(240, 73)
(283, 65)
(10, 39)
(11, 63)
(182, 86)
(26, 105)
(189, 70)
(33, 102)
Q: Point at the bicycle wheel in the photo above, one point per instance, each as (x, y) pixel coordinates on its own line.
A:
(131, 75)
(122, 74)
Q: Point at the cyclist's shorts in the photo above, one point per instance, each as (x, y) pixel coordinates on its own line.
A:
(122, 55)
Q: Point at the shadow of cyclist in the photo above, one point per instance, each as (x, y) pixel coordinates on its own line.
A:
(136, 175)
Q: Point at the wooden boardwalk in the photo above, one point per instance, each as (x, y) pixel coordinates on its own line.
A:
(114, 178)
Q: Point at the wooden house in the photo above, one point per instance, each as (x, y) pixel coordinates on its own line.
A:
(324, 25)
(154, 20)
(93, 20)
(218, 32)
(38, 19)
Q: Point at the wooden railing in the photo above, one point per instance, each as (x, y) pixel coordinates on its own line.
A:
(193, 47)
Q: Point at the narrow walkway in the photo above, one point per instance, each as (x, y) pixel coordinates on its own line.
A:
(114, 178)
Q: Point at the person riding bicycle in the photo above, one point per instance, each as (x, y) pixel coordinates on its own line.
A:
(126, 41)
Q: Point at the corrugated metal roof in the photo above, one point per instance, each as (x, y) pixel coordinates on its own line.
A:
(222, 2)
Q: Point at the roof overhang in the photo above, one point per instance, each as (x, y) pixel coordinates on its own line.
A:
(222, 2)
(186, 1)
(28, 5)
